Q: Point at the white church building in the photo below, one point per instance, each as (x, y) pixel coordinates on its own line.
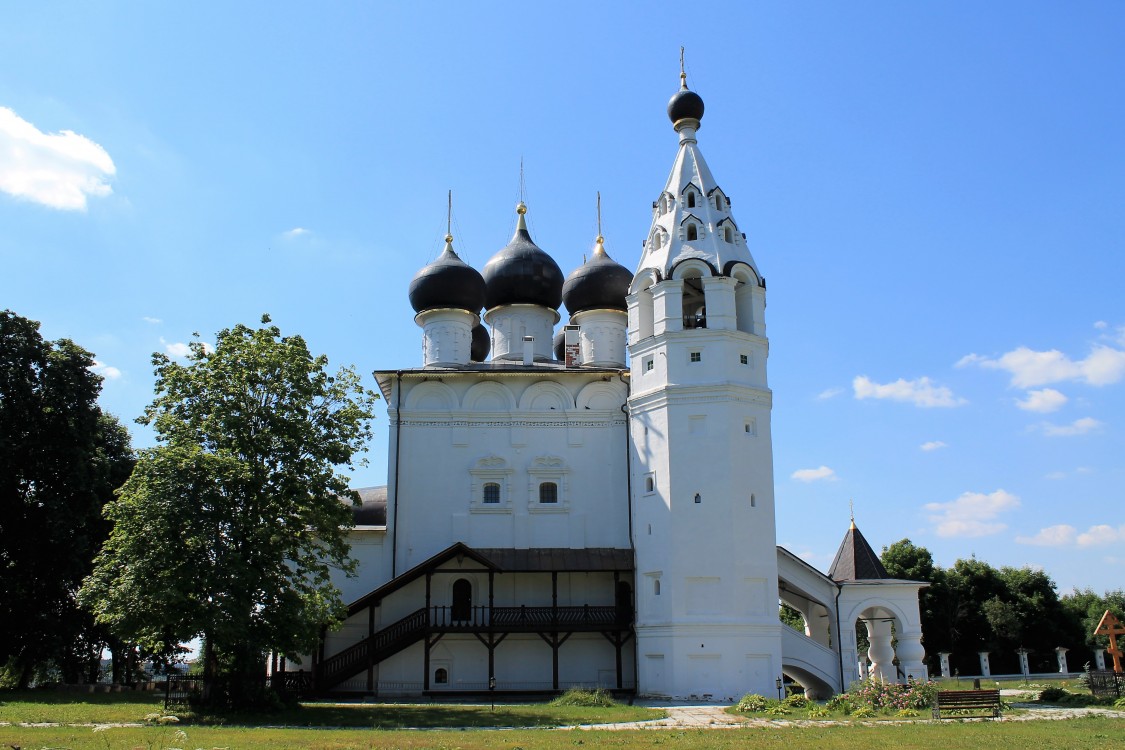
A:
(592, 504)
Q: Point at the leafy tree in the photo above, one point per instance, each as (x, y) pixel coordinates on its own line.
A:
(904, 559)
(60, 460)
(229, 529)
(1084, 610)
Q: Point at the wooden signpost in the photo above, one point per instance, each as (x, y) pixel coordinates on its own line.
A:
(1112, 627)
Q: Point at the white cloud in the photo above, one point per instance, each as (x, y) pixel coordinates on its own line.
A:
(815, 475)
(1077, 427)
(154, 321)
(295, 232)
(829, 393)
(181, 349)
(1029, 368)
(1055, 475)
(59, 170)
(1099, 535)
(106, 371)
(178, 349)
(1043, 401)
(921, 392)
(933, 445)
(1064, 535)
(972, 514)
(1101, 325)
(1052, 536)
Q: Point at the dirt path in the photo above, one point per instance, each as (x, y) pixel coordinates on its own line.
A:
(711, 716)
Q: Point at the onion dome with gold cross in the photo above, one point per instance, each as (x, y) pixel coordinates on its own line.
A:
(448, 282)
(521, 273)
(601, 283)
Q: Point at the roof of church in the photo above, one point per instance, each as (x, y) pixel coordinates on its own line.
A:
(855, 560)
(372, 510)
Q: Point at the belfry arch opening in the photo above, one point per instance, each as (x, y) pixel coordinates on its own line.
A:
(694, 302)
(744, 297)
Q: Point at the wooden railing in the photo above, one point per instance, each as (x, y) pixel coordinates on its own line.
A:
(528, 617)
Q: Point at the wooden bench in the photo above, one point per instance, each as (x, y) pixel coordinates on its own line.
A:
(972, 701)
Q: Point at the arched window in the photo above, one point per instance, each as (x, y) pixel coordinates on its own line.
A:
(656, 586)
(698, 498)
(692, 232)
(656, 240)
(548, 492)
(462, 600)
(441, 676)
(691, 200)
(492, 493)
(650, 483)
(719, 203)
(728, 235)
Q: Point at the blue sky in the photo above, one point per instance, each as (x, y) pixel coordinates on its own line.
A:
(934, 192)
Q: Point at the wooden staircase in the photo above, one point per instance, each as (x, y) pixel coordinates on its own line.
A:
(373, 649)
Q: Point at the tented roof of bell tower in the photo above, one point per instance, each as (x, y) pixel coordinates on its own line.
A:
(855, 560)
(692, 196)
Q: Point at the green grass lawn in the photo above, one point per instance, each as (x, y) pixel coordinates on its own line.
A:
(1077, 734)
(97, 708)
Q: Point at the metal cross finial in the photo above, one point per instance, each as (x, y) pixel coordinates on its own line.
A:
(599, 216)
(521, 179)
(851, 511)
(683, 75)
(449, 218)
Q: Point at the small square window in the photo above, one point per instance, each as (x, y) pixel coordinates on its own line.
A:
(648, 364)
(744, 359)
(696, 356)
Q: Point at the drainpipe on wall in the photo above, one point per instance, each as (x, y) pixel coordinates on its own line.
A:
(398, 452)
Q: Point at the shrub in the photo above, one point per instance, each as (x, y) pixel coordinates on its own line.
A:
(1052, 695)
(580, 697)
(874, 694)
(817, 712)
(841, 702)
(1119, 703)
(752, 702)
(796, 700)
(777, 709)
(863, 712)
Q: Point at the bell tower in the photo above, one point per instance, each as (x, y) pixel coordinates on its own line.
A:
(702, 457)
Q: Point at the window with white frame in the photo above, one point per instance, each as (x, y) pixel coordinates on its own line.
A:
(491, 486)
(547, 485)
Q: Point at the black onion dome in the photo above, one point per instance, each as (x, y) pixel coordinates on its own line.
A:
(447, 282)
(559, 342)
(522, 274)
(685, 103)
(600, 283)
(481, 345)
